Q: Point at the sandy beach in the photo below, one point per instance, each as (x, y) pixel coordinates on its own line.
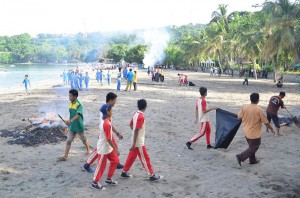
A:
(34, 171)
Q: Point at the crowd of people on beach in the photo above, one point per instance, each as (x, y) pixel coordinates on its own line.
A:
(75, 78)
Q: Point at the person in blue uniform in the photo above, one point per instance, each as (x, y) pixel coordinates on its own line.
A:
(119, 78)
(86, 80)
(108, 77)
(81, 78)
(97, 75)
(65, 77)
(101, 77)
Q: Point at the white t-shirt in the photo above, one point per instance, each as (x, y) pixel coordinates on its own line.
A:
(138, 121)
(105, 133)
(202, 106)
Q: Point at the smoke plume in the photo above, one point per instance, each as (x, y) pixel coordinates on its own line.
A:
(157, 39)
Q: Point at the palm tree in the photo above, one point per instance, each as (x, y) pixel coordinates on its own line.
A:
(221, 16)
(281, 30)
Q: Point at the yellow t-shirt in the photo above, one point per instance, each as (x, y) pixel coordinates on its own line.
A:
(252, 117)
(135, 78)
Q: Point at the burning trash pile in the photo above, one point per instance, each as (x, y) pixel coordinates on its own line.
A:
(49, 130)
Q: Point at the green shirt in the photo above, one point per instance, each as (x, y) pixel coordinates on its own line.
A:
(75, 108)
(246, 75)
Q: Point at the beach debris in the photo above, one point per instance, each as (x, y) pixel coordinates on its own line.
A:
(35, 135)
(294, 119)
(289, 120)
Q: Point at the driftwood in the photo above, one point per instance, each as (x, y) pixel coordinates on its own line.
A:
(42, 119)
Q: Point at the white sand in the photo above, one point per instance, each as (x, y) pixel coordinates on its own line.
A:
(34, 172)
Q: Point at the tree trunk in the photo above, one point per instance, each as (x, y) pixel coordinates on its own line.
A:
(274, 70)
(220, 62)
(254, 68)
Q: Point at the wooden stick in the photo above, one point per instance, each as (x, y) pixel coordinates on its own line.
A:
(41, 119)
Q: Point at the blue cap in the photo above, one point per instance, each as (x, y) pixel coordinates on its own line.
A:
(103, 111)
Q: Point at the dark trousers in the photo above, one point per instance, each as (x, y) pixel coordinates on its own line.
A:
(246, 81)
(251, 150)
(134, 86)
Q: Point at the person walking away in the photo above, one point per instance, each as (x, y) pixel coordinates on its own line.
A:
(252, 117)
(245, 78)
(108, 77)
(138, 148)
(107, 151)
(86, 80)
(65, 77)
(97, 75)
(211, 71)
(135, 81)
(125, 71)
(275, 103)
(69, 77)
(81, 78)
(119, 79)
(129, 80)
(26, 83)
(101, 77)
(75, 123)
(202, 117)
(72, 84)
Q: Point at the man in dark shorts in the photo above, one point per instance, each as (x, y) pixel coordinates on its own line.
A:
(273, 107)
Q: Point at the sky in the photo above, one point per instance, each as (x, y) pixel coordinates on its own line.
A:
(73, 16)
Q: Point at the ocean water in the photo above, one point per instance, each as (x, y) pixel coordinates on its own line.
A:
(13, 75)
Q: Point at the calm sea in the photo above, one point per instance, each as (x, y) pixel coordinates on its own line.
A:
(13, 75)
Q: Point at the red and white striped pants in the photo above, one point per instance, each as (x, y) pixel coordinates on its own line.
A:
(102, 159)
(141, 152)
(204, 130)
(94, 155)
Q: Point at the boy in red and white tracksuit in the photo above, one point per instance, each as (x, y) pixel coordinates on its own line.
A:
(111, 99)
(138, 147)
(107, 151)
(202, 117)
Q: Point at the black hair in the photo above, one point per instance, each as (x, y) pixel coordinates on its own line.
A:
(74, 92)
(282, 93)
(254, 97)
(203, 91)
(141, 104)
(111, 96)
(26, 75)
(130, 69)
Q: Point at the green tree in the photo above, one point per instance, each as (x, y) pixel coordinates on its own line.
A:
(174, 55)
(117, 52)
(282, 31)
(136, 54)
(5, 57)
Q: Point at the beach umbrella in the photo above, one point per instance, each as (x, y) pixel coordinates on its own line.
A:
(227, 126)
